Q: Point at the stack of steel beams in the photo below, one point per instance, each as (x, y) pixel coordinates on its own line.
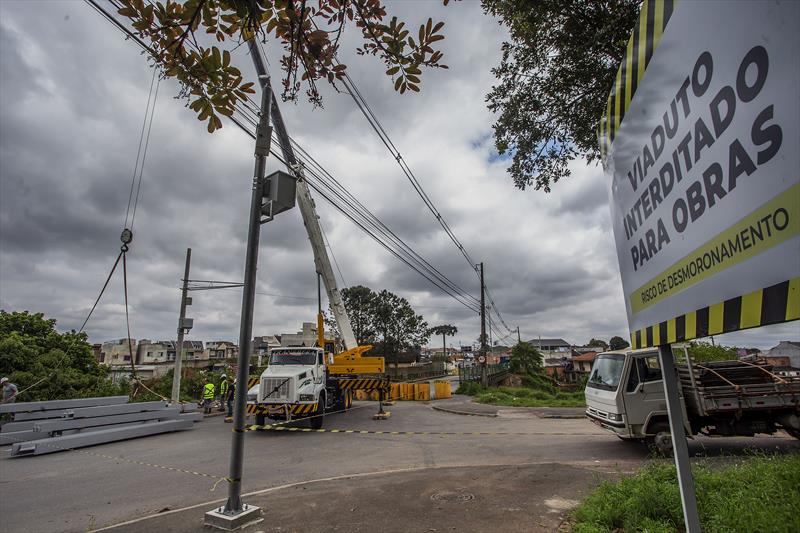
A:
(53, 426)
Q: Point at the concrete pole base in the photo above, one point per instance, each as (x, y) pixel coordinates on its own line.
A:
(218, 518)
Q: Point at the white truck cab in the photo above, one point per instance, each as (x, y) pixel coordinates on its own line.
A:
(625, 395)
(294, 375)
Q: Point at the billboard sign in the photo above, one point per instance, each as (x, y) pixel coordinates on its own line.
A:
(701, 148)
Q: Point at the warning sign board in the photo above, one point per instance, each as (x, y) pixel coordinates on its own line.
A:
(701, 147)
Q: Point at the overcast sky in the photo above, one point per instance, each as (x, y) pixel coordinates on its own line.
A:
(72, 99)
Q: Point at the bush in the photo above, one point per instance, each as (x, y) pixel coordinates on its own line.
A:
(539, 391)
(760, 493)
(470, 388)
(539, 381)
(55, 365)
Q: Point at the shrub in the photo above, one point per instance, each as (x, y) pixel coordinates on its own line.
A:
(759, 493)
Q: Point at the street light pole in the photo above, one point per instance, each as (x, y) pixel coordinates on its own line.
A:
(176, 374)
(235, 514)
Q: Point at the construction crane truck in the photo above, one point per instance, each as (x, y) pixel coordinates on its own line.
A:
(307, 382)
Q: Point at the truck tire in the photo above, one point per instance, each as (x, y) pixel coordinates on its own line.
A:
(319, 415)
(341, 402)
(661, 440)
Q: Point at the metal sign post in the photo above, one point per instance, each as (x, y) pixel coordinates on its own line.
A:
(679, 446)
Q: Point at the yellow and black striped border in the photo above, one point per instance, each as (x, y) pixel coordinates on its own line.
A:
(773, 305)
(296, 409)
(365, 384)
(252, 382)
(653, 19)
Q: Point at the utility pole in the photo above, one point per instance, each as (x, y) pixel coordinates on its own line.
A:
(484, 376)
(184, 325)
(519, 339)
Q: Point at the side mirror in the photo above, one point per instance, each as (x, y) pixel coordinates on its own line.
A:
(330, 358)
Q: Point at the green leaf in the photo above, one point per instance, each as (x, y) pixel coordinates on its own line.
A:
(392, 71)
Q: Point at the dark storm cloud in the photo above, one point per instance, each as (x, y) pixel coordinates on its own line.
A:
(71, 111)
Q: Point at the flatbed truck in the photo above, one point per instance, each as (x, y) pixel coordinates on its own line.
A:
(625, 395)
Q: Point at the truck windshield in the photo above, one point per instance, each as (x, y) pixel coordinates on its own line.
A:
(304, 357)
(606, 372)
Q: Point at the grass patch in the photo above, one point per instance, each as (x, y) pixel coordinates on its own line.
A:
(539, 391)
(759, 493)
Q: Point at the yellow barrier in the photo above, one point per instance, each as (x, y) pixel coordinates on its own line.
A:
(443, 389)
(420, 392)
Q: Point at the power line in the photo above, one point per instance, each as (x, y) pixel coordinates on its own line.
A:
(347, 203)
(376, 125)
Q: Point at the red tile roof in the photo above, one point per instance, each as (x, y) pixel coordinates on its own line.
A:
(588, 356)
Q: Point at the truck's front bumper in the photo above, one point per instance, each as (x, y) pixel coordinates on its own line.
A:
(618, 428)
(279, 410)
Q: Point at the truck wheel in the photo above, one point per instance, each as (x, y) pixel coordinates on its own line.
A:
(661, 440)
(341, 401)
(319, 414)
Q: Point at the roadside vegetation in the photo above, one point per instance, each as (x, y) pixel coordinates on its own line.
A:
(48, 365)
(537, 390)
(760, 493)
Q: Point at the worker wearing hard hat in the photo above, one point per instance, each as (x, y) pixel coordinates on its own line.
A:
(223, 392)
(231, 393)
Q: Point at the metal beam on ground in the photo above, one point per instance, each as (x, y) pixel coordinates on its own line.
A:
(80, 440)
(17, 426)
(88, 412)
(50, 405)
(11, 437)
(47, 426)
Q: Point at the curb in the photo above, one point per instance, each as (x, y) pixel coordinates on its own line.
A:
(465, 413)
(565, 417)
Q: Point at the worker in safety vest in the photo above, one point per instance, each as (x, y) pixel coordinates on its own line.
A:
(209, 392)
(223, 392)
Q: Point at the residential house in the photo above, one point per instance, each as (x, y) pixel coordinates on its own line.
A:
(790, 349)
(306, 337)
(222, 350)
(117, 352)
(262, 344)
(583, 363)
(552, 347)
(154, 352)
(163, 352)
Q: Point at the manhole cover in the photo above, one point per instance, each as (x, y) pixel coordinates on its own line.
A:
(450, 496)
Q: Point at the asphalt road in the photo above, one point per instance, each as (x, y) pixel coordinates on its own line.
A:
(104, 485)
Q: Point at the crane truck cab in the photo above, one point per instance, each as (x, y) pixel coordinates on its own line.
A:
(296, 385)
